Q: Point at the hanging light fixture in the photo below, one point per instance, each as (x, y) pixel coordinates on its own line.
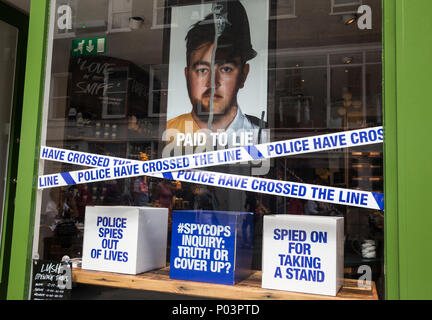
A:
(348, 19)
(347, 60)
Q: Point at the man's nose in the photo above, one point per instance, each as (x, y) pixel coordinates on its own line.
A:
(216, 78)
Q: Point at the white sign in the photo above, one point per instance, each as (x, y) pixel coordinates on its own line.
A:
(303, 253)
(128, 240)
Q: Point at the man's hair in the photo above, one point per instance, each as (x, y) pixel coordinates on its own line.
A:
(203, 32)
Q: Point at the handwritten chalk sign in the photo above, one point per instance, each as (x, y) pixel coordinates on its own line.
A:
(303, 253)
(51, 280)
(128, 240)
(209, 246)
(99, 85)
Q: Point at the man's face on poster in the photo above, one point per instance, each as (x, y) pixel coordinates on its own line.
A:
(230, 76)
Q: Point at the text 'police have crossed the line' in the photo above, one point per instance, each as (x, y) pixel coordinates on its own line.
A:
(106, 165)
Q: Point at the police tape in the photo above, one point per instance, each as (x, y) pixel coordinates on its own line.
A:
(357, 198)
(109, 168)
(354, 138)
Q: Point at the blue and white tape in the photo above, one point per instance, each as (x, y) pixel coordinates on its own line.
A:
(311, 144)
(109, 168)
(357, 198)
(333, 195)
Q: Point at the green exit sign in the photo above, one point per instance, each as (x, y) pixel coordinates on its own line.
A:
(84, 47)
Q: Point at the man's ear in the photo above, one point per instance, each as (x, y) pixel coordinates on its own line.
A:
(244, 75)
(186, 71)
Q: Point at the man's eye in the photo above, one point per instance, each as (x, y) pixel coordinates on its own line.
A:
(226, 69)
(202, 70)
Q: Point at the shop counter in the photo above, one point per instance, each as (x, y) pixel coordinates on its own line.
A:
(249, 289)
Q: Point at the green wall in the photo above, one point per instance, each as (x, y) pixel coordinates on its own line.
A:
(407, 113)
(408, 151)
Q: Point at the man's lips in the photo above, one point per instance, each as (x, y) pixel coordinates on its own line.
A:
(216, 96)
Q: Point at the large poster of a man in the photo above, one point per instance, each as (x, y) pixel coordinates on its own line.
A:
(218, 68)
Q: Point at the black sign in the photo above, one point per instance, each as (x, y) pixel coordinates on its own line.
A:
(52, 280)
(103, 87)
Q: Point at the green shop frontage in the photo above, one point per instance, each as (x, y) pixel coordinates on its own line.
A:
(229, 149)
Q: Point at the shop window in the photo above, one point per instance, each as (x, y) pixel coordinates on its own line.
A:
(8, 60)
(115, 93)
(283, 9)
(345, 6)
(120, 11)
(295, 78)
(158, 90)
(329, 76)
(60, 96)
(161, 13)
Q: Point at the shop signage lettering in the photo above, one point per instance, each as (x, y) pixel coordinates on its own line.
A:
(51, 280)
(299, 263)
(64, 21)
(114, 239)
(237, 139)
(110, 231)
(201, 249)
(303, 253)
(206, 246)
(365, 19)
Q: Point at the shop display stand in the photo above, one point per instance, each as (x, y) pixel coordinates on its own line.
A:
(249, 289)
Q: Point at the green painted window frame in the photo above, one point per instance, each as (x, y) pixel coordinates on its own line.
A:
(395, 233)
(391, 261)
(408, 149)
(23, 222)
(19, 20)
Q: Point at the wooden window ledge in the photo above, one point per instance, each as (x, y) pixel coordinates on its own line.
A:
(248, 289)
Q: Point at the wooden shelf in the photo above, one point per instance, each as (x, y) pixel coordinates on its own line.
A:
(249, 289)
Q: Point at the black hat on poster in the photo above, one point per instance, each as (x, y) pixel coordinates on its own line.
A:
(242, 30)
(233, 25)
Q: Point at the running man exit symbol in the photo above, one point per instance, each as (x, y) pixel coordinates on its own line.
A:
(91, 46)
(79, 48)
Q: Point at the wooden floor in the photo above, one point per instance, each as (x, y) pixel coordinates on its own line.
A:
(249, 289)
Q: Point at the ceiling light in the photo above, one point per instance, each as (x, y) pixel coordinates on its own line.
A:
(348, 19)
(347, 60)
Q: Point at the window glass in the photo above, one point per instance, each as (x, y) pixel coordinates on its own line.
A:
(296, 69)
(8, 49)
